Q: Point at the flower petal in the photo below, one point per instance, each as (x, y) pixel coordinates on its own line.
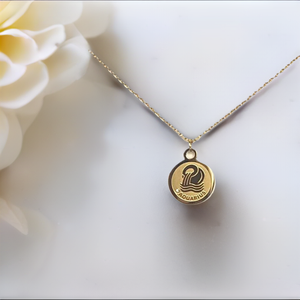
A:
(26, 47)
(18, 46)
(67, 64)
(47, 40)
(94, 18)
(27, 113)
(11, 11)
(9, 72)
(13, 143)
(42, 14)
(4, 128)
(26, 88)
(13, 215)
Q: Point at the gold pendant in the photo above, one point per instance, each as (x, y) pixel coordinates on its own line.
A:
(190, 181)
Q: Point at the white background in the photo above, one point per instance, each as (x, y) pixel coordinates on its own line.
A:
(92, 175)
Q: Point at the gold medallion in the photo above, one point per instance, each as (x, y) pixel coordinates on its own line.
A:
(191, 182)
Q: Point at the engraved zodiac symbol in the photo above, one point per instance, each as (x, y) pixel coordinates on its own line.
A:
(192, 179)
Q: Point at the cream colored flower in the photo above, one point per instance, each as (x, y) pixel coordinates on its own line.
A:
(42, 50)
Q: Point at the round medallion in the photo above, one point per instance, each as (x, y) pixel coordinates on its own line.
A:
(191, 182)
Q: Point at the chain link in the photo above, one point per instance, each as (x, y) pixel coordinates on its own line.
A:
(190, 141)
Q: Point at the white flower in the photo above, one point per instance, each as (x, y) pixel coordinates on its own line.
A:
(42, 50)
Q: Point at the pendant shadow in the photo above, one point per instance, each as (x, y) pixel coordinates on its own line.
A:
(205, 236)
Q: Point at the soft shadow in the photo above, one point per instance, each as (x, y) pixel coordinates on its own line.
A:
(54, 172)
(255, 98)
(205, 239)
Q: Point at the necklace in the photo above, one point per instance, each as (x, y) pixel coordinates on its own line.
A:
(190, 181)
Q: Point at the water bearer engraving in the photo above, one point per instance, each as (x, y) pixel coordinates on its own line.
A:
(192, 179)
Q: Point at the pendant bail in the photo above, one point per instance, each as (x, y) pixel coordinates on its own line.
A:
(190, 144)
